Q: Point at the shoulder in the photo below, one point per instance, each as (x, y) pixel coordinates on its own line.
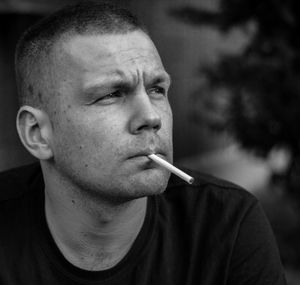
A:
(15, 182)
(16, 211)
(207, 185)
(210, 194)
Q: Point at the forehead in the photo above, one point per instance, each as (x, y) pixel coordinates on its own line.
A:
(105, 53)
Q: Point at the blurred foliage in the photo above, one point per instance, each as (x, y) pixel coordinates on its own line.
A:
(263, 79)
(255, 94)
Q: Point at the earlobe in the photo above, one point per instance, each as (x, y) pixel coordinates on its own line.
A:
(35, 131)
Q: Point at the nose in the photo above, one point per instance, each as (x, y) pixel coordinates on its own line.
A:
(144, 115)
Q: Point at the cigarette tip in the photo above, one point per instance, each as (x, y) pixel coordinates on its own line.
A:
(191, 180)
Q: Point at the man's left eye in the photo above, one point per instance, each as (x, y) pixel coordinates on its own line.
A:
(157, 91)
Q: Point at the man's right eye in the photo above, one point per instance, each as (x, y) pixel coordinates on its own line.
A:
(109, 98)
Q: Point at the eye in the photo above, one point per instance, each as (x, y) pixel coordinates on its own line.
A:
(109, 98)
(157, 91)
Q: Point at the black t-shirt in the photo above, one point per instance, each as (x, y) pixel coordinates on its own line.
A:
(211, 232)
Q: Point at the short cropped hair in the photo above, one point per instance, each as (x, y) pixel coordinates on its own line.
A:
(35, 45)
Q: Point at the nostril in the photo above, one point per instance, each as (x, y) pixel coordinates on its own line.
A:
(149, 125)
(157, 126)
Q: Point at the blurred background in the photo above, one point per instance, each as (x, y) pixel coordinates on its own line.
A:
(235, 95)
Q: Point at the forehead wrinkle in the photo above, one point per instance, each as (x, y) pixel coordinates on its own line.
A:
(148, 68)
(116, 77)
(133, 74)
(122, 70)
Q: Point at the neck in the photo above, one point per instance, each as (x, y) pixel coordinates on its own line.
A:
(92, 235)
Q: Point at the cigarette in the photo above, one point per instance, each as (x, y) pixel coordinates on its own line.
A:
(189, 179)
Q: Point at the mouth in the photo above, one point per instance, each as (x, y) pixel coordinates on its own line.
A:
(147, 152)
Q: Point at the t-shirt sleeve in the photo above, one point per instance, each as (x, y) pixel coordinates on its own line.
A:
(255, 257)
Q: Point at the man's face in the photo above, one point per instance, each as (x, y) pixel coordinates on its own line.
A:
(111, 110)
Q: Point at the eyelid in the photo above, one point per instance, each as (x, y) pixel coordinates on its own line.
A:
(108, 98)
(159, 90)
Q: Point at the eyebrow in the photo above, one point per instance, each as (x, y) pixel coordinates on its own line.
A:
(118, 79)
(113, 78)
(163, 77)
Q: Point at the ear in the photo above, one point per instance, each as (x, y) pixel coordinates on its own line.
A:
(35, 131)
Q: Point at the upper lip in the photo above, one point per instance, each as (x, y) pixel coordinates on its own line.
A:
(147, 151)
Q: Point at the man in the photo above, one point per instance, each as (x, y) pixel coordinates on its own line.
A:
(94, 105)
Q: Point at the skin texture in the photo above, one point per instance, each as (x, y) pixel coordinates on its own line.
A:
(111, 110)
(107, 109)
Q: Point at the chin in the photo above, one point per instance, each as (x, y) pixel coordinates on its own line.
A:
(131, 187)
(148, 185)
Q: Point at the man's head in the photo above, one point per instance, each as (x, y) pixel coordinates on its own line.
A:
(95, 103)
(36, 46)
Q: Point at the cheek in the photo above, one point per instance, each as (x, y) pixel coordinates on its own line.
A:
(167, 128)
(83, 138)
(167, 119)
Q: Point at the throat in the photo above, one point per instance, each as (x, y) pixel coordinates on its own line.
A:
(88, 243)
(96, 259)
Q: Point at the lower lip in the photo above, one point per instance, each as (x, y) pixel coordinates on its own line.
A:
(144, 158)
(142, 162)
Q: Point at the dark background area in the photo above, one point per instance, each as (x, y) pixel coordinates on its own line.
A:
(185, 49)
